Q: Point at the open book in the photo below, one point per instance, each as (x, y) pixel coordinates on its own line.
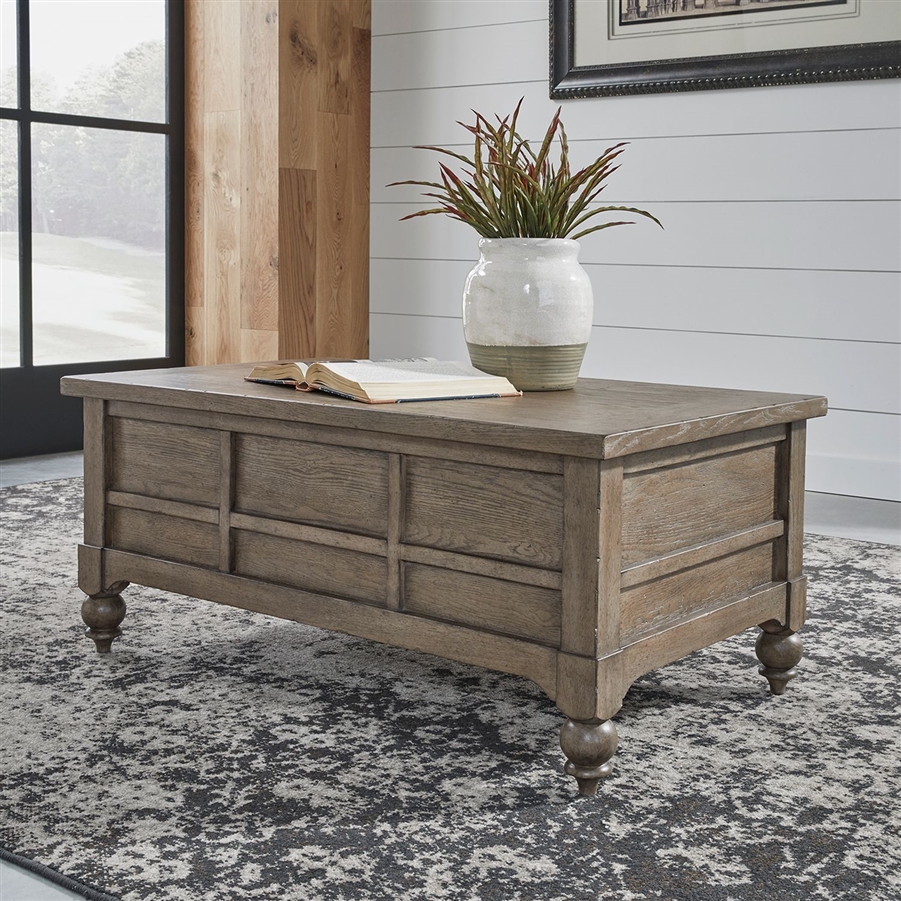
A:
(387, 382)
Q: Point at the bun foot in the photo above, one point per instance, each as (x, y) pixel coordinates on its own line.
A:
(102, 614)
(779, 649)
(589, 746)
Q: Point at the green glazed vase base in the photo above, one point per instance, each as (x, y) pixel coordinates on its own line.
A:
(552, 368)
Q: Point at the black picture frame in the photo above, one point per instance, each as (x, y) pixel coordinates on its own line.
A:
(851, 62)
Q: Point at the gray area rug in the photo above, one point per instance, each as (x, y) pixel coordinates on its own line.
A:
(218, 755)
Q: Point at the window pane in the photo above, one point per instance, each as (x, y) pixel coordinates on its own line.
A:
(98, 222)
(97, 58)
(9, 82)
(9, 244)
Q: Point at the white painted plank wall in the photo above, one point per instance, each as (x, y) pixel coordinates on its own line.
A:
(780, 265)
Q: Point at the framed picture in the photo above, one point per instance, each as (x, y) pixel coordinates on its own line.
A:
(610, 47)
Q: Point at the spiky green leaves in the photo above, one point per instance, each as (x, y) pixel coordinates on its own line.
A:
(510, 191)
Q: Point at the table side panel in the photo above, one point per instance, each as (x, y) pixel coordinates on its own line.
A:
(475, 544)
(507, 608)
(175, 462)
(315, 568)
(702, 631)
(524, 658)
(661, 603)
(166, 537)
(484, 510)
(690, 503)
(444, 449)
(703, 528)
(472, 544)
(322, 485)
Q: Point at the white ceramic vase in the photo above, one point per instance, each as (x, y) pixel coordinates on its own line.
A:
(527, 311)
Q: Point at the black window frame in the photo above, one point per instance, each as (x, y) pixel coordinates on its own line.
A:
(34, 417)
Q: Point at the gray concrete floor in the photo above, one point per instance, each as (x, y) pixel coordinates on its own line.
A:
(852, 517)
(23, 470)
(825, 514)
(17, 884)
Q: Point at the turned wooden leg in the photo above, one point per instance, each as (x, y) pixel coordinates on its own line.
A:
(102, 614)
(779, 649)
(588, 746)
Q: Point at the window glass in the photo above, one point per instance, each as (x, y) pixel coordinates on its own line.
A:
(9, 244)
(9, 82)
(99, 58)
(99, 236)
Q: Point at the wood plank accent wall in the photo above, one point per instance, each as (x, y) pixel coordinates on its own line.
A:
(277, 179)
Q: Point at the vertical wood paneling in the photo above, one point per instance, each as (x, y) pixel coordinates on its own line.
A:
(324, 249)
(361, 15)
(222, 278)
(335, 32)
(277, 179)
(360, 120)
(359, 139)
(194, 331)
(194, 178)
(259, 344)
(298, 68)
(221, 55)
(334, 299)
(297, 243)
(259, 151)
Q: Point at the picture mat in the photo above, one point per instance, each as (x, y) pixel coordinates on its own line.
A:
(598, 43)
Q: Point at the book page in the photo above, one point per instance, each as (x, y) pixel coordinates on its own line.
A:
(399, 371)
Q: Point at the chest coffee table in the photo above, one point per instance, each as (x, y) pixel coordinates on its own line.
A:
(577, 538)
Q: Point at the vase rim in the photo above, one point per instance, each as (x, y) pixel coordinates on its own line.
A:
(529, 242)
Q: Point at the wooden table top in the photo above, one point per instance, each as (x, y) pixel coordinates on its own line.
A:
(597, 418)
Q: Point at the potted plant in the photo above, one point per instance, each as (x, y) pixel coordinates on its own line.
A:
(527, 304)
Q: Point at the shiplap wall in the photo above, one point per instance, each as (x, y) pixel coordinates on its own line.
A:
(780, 265)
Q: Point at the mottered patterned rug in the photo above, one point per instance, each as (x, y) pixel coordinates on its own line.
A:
(219, 755)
